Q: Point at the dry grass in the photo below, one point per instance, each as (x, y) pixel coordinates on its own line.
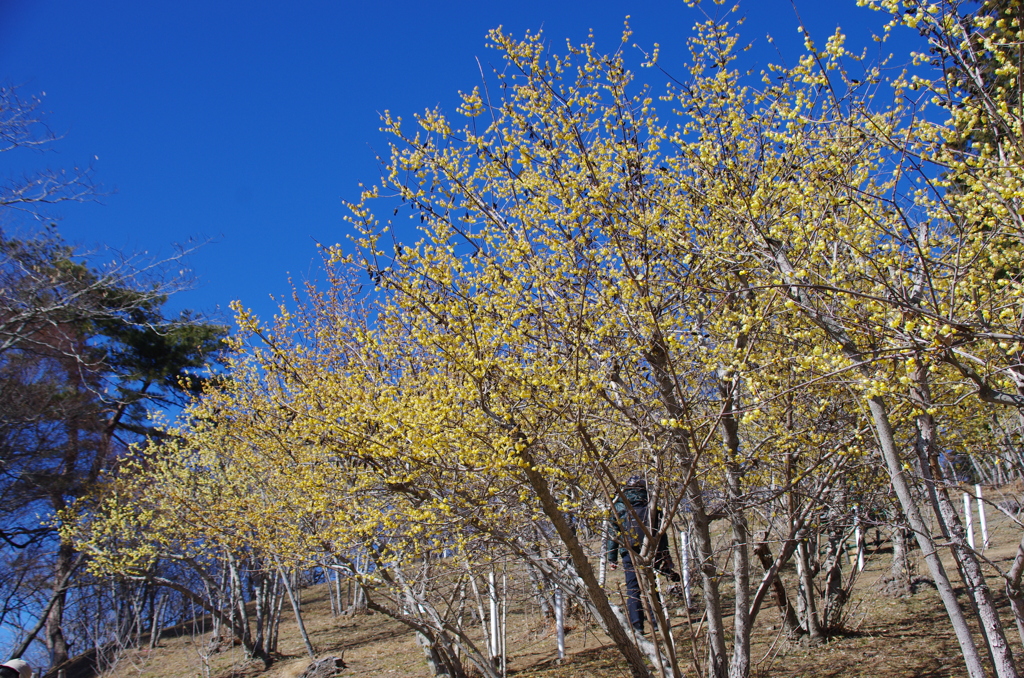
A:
(886, 637)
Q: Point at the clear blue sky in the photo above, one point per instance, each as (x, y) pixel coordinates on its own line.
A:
(250, 122)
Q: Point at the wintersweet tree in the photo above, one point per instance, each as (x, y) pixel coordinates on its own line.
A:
(805, 182)
(583, 296)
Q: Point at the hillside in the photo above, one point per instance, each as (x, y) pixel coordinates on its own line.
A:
(884, 637)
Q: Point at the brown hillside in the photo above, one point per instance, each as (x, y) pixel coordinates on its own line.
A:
(885, 637)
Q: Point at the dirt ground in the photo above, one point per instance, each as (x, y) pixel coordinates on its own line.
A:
(885, 637)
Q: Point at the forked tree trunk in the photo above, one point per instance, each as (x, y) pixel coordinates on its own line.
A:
(581, 563)
(433, 658)
(740, 665)
(297, 610)
(704, 551)
(835, 589)
(790, 623)
(437, 645)
(157, 625)
(658, 358)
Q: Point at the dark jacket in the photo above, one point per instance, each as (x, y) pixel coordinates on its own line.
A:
(625, 530)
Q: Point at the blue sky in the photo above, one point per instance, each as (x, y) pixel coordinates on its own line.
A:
(250, 122)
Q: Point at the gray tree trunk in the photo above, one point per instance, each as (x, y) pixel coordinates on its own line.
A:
(963, 554)
(658, 357)
(297, 610)
(790, 623)
(740, 665)
(705, 555)
(835, 589)
(595, 592)
(898, 580)
(1014, 591)
(890, 455)
(808, 595)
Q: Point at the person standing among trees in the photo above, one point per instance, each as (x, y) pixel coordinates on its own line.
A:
(630, 524)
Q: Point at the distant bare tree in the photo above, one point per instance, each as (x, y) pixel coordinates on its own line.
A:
(22, 127)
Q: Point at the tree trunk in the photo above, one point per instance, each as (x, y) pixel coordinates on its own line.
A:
(440, 646)
(963, 554)
(240, 617)
(56, 641)
(835, 591)
(808, 596)
(658, 357)
(790, 623)
(740, 665)
(1014, 591)
(890, 455)
(434, 661)
(704, 552)
(44, 617)
(541, 587)
(898, 582)
(215, 611)
(157, 622)
(297, 610)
